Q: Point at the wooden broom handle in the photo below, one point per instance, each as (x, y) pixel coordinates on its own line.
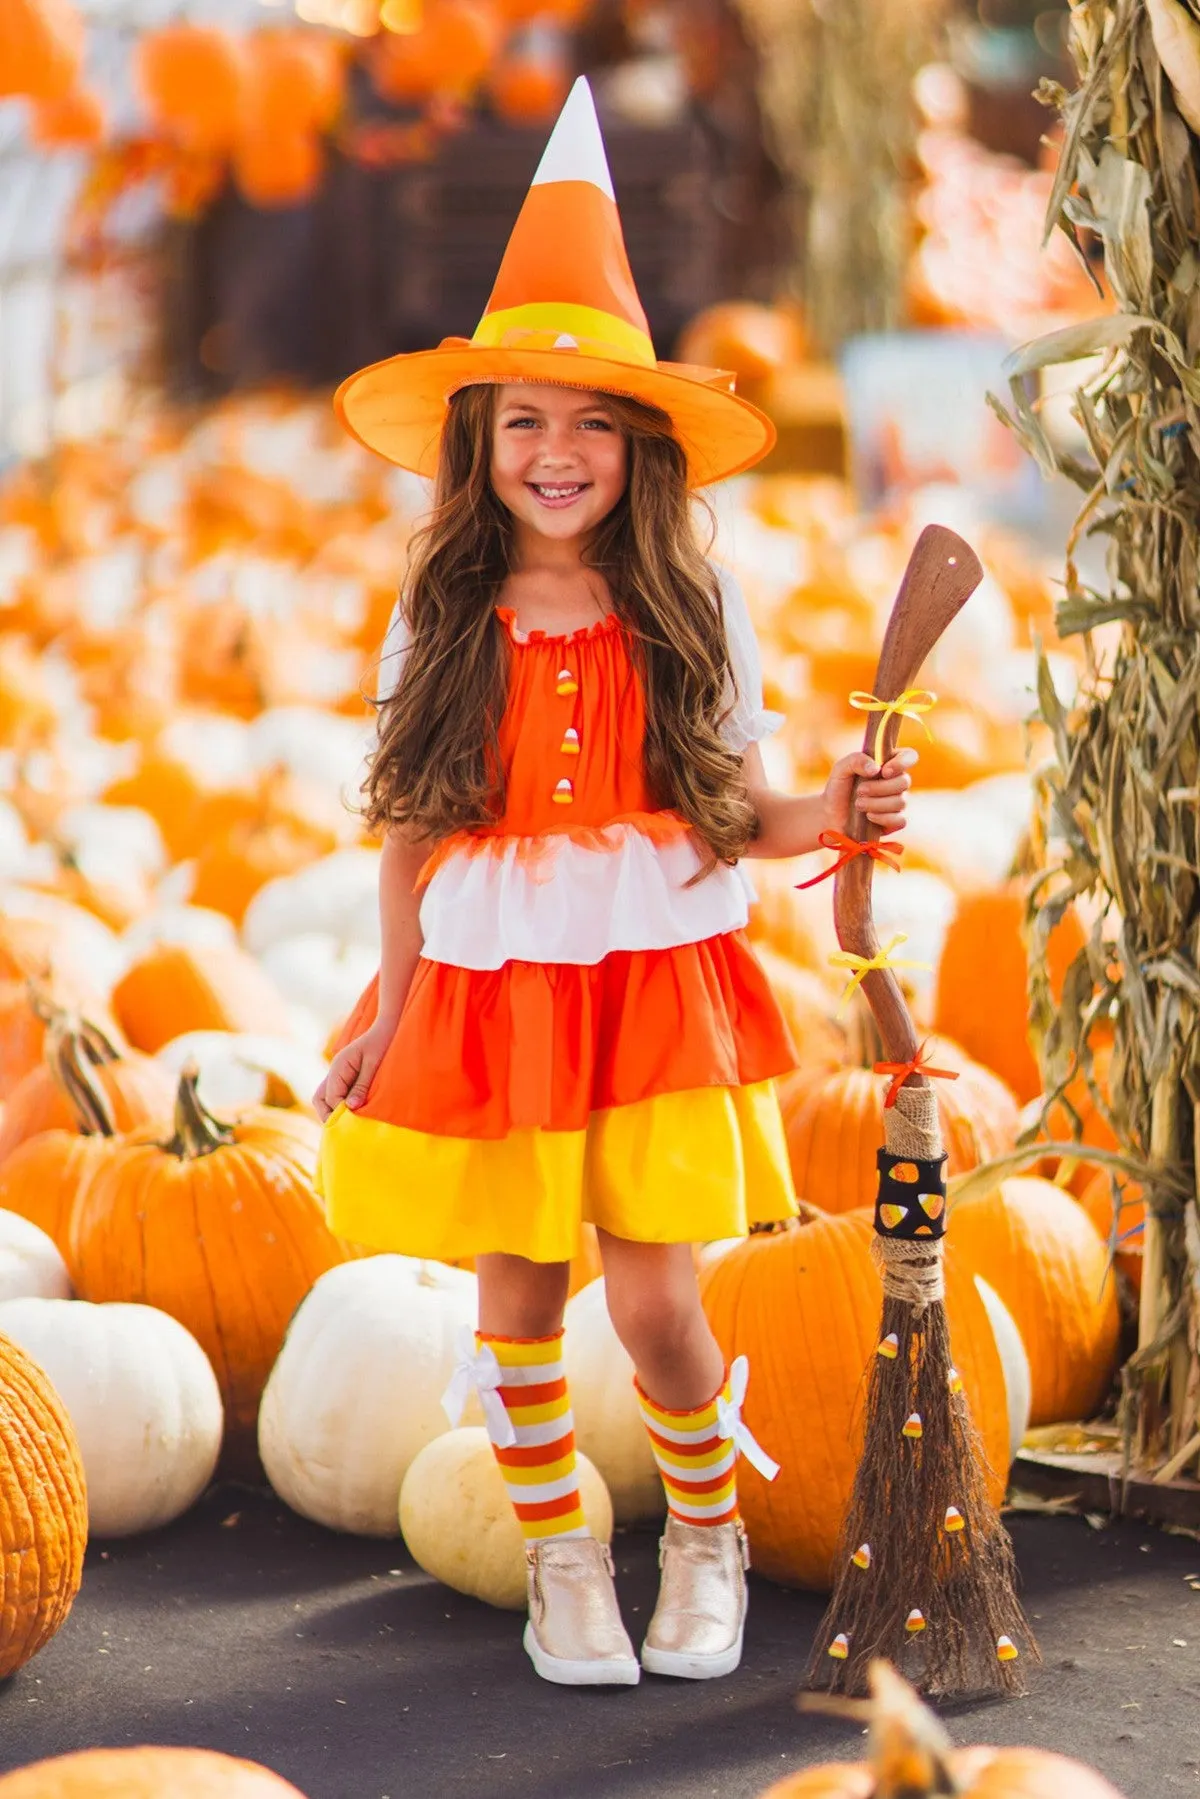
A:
(942, 574)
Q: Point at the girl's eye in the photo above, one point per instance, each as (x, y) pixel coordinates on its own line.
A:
(512, 424)
(597, 425)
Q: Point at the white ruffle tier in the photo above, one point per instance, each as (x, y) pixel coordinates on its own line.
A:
(572, 903)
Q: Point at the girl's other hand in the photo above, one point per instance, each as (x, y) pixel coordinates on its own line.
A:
(880, 792)
(352, 1071)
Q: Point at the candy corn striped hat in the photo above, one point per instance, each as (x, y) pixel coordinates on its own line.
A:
(564, 310)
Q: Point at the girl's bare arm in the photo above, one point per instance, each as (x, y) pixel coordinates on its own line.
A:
(791, 825)
(400, 927)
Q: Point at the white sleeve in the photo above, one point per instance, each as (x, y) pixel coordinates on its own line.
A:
(749, 721)
(391, 656)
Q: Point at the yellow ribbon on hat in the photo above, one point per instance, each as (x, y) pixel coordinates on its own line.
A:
(863, 965)
(909, 704)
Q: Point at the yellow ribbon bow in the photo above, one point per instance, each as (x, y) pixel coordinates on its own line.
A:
(910, 704)
(862, 965)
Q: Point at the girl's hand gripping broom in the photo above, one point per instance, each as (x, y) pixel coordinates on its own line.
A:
(926, 1572)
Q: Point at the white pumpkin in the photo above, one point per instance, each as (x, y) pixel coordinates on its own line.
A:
(608, 1422)
(1018, 1377)
(459, 1525)
(356, 1389)
(336, 896)
(142, 1396)
(30, 1263)
(235, 1066)
(319, 974)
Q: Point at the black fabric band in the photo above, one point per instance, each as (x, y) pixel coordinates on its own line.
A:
(912, 1197)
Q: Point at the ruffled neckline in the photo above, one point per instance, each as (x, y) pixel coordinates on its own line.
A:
(602, 627)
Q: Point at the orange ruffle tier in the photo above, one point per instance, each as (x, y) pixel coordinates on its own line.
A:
(638, 1024)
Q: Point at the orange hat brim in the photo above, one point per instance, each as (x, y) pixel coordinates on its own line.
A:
(397, 407)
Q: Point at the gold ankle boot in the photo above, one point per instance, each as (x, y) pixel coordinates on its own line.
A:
(696, 1630)
(575, 1635)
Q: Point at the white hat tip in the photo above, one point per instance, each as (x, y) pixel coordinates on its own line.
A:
(575, 151)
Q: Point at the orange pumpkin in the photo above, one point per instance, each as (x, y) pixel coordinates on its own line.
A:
(234, 865)
(219, 1226)
(834, 1126)
(173, 988)
(192, 81)
(448, 55)
(41, 48)
(146, 1773)
(1083, 1122)
(39, 977)
(43, 1179)
(744, 336)
(134, 1088)
(75, 119)
(278, 169)
(529, 89)
(1045, 1258)
(43, 1510)
(909, 1757)
(803, 1304)
(808, 1007)
(294, 82)
(984, 953)
(1130, 1212)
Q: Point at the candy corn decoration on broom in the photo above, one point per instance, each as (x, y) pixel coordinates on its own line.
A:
(926, 1572)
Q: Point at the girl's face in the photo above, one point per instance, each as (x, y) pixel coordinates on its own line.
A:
(559, 459)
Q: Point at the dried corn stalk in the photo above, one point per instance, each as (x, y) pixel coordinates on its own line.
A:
(1122, 794)
(835, 86)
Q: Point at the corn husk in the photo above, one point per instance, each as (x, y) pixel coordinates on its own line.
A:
(1119, 804)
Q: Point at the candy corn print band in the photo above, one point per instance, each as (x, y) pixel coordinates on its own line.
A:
(912, 1197)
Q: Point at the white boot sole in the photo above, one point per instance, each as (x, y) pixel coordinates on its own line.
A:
(623, 1673)
(692, 1667)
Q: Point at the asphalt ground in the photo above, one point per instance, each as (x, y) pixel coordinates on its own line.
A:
(336, 1662)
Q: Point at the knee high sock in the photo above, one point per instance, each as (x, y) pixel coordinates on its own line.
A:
(697, 1465)
(539, 1469)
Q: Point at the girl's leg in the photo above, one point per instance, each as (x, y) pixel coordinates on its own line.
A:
(574, 1635)
(654, 1303)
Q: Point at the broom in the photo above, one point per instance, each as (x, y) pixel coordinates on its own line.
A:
(926, 1571)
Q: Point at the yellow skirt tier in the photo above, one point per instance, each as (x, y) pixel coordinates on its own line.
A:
(678, 1168)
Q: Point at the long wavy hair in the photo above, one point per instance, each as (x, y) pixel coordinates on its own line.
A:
(436, 767)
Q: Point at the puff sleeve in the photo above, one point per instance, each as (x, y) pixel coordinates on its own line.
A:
(749, 721)
(391, 656)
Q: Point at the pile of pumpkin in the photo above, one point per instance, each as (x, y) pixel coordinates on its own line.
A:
(189, 911)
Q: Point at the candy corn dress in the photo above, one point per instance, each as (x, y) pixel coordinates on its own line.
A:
(586, 1036)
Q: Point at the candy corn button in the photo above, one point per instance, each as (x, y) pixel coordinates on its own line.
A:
(955, 1519)
(912, 1426)
(932, 1204)
(914, 1622)
(839, 1649)
(889, 1349)
(862, 1556)
(566, 684)
(955, 1381)
(893, 1215)
(906, 1172)
(570, 742)
(564, 793)
(1006, 1650)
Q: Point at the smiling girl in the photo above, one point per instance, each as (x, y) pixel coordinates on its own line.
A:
(568, 1022)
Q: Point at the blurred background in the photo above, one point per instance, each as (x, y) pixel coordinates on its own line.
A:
(211, 212)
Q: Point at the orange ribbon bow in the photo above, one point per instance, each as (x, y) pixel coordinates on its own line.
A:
(849, 847)
(900, 1072)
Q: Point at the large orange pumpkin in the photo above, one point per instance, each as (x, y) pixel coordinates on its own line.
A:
(745, 336)
(133, 1088)
(1045, 1258)
(146, 1773)
(981, 999)
(219, 1226)
(909, 1757)
(42, 1180)
(41, 48)
(172, 989)
(192, 80)
(834, 1126)
(43, 1510)
(804, 1304)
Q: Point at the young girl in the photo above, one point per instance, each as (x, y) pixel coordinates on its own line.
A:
(568, 1023)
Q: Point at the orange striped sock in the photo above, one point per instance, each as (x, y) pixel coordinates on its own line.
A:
(697, 1465)
(539, 1469)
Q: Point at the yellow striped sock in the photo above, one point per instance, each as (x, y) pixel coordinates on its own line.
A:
(539, 1468)
(697, 1465)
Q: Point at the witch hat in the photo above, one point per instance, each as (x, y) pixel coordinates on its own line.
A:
(564, 310)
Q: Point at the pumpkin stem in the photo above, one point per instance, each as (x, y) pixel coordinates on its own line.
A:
(908, 1750)
(73, 1074)
(197, 1132)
